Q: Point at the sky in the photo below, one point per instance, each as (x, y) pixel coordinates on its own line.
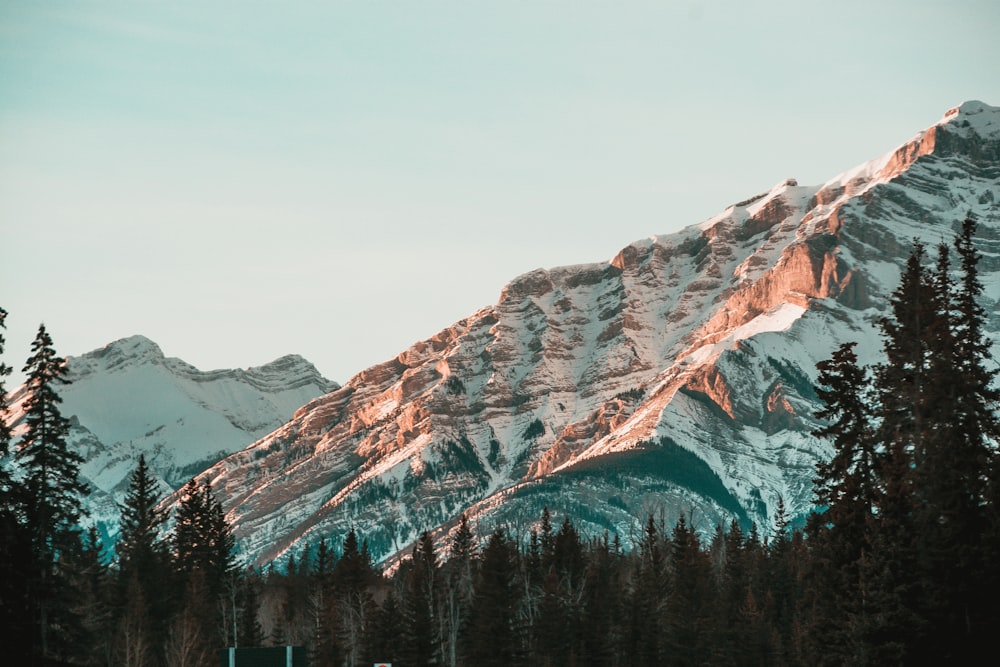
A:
(242, 180)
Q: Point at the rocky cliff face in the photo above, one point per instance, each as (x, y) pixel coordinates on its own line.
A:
(675, 377)
(127, 399)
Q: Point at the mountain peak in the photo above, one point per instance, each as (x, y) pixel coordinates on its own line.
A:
(970, 108)
(134, 346)
(131, 351)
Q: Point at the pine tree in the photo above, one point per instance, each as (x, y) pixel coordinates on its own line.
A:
(143, 551)
(951, 475)
(421, 605)
(645, 641)
(205, 560)
(457, 580)
(848, 489)
(52, 489)
(15, 543)
(203, 539)
(51, 468)
(602, 608)
(687, 621)
(494, 635)
(141, 546)
(353, 578)
(980, 435)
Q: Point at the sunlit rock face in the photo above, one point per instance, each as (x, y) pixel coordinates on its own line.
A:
(677, 377)
(127, 399)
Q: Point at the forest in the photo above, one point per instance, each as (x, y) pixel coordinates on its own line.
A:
(896, 565)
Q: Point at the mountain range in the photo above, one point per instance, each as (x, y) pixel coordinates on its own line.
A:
(677, 377)
(127, 399)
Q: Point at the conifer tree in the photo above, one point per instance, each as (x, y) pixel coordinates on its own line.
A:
(52, 489)
(602, 609)
(141, 546)
(421, 605)
(645, 641)
(205, 560)
(687, 622)
(494, 635)
(143, 551)
(353, 578)
(457, 581)
(51, 468)
(203, 539)
(15, 543)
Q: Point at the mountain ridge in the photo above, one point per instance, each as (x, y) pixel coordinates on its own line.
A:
(706, 339)
(127, 398)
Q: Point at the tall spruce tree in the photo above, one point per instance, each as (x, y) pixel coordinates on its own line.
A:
(848, 488)
(141, 544)
(52, 490)
(143, 551)
(909, 538)
(421, 605)
(493, 634)
(951, 478)
(51, 468)
(203, 538)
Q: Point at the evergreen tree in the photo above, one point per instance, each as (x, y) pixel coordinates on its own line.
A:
(250, 633)
(458, 587)
(15, 542)
(203, 539)
(141, 546)
(646, 600)
(205, 561)
(421, 605)
(494, 634)
(848, 489)
(354, 577)
(602, 605)
(144, 557)
(387, 633)
(52, 489)
(689, 600)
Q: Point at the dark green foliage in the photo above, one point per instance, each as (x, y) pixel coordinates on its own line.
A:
(203, 539)
(421, 605)
(494, 632)
(49, 498)
(667, 461)
(144, 567)
(535, 429)
(51, 483)
(904, 556)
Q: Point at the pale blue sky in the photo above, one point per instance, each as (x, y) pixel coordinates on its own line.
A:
(241, 180)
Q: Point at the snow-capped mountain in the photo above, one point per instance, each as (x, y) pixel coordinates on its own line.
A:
(127, 398)
(678, 376)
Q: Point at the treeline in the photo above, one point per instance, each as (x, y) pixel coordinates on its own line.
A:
(897, 566)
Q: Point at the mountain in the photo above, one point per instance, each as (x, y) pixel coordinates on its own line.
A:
(127, 398)
(678, 376)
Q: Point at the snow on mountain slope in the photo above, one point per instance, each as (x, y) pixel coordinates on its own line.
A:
(127, 398)
(675, 377)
